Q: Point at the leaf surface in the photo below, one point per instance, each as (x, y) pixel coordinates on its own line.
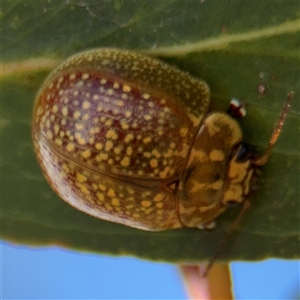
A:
(234, 45)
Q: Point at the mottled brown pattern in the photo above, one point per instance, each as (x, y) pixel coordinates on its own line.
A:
(112, 131)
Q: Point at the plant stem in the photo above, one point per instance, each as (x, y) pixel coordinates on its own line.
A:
(216, 286)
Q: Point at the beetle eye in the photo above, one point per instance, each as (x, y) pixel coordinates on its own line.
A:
(243, 153)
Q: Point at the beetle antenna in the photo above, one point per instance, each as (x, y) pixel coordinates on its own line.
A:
(233, 227)
(261, 160)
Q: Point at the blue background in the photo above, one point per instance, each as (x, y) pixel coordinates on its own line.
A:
(55, 273)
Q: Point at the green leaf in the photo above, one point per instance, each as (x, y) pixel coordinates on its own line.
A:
(234, 45)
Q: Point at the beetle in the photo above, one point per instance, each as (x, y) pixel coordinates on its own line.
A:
(129, 139)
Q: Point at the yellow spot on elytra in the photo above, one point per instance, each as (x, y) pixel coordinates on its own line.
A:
(111, 134)
(162, 115)
(80, 83)
(164, 173)
(100, 196)
(79, 126)
(64, 111)
(49, 135)
(108, 207)
(103, 156)
(183, 132)
(48, 123)
(156, 153)
(125, 162)
(126, 88)
(146, 96)
(81, 178)
(159, 197)
(147, 154)
(120, 103)
(110, 91)
(65, 168)
(85, 76)
(115, 202)
(76, 114)
(99, 146)
(108, 145)
(127, 113)
(129, 137)
(96, 97)
(129, 151)
(86, 104)
(83, 188)
(72, 76)
(75, 93)
(54, 108)
(147, 117)
(146, 203)
(58, 142)
(111, 193)
(103, 81)
(124, 125)
(153, 163)
(216, 155)
(86, 153)
(108, 123)
(117, 150)
(102, 187)
(70, 147)
(147, 140)
(79, 138)
(116, 85)
(148, 211)
(99, 108)
(130, 191)
(159, 205)
(169, 153)
(136, 216)
(124, 96)
(66, 100)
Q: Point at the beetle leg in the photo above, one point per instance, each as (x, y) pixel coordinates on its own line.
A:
(208, 225)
